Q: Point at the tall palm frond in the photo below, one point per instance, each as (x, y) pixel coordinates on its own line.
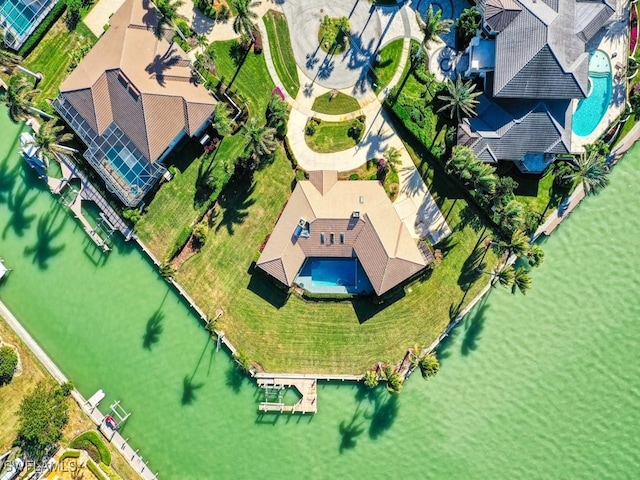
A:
(432, 26)
(591, 171)
(244, 20)
(18, 98)
(460, 100)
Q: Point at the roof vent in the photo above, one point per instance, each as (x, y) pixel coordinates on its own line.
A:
(355, 214)
(361, 198)
(302, 229)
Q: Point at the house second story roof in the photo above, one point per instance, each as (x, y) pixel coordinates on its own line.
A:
(540, 45)
(329, 218)
(142, 83)
(510, 129)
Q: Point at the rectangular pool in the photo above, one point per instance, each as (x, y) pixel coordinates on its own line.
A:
(125, 163)
(21, 17)
(333, 275)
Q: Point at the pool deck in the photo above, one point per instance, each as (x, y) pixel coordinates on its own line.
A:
(615, 43)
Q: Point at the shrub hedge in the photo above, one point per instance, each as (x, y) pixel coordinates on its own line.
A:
(90, 439)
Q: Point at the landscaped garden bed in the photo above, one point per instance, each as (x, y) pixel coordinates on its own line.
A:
(281, 51)
(329, 137)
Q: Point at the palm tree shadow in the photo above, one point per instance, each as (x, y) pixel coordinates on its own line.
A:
(472, 268)
(383, 416)
(47, 230)
(189, 389)
(474, 325)
(234, 378)
(8, 175)
(235, 204)
(161, 63)
(18, 204)
(153, 329)
(349, 432)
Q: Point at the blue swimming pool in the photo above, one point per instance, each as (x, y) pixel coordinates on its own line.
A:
(126, 164)
(592, 110)
(333, 275)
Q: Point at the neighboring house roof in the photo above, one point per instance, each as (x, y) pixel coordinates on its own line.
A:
(376, 235)
(540, 47)
(510, 129)
(143, 84)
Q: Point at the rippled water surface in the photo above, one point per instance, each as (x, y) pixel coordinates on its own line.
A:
(542, 386)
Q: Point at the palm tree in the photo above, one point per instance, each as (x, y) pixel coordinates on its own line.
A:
(461, 162)
(49, 138)
(510, 216)
(460, 99)
(260, 138)
(521, 281)
(243, 23)
(18, 98)
(535, 255)
(504, 276)
(432, 27)
(278, 115)
(517, 245)
(8, 60)
(429, 366)
(393, 157)
(202, 41)
(221, 120)
(168, 10)
(483, 177)
(591, 171)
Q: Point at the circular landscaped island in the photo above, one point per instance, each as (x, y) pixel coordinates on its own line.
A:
(333, 34)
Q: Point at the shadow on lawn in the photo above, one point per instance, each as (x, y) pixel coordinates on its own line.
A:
(262, 286)
(235, 203)
(368, 307)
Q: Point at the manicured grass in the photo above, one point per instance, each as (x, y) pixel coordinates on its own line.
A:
(253, 82)
(281, 51)
(338, 105)
(175, 206)
(390, 57)
(290, 334)
(54, 56)
(331, 137)
(11, 396)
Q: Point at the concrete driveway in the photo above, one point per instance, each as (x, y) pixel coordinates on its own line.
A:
(339, 71)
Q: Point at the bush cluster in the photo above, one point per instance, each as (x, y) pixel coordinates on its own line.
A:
(8, 364)
(92, 443)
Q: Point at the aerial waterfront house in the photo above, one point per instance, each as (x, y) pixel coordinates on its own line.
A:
(533, 57)
(131, 100)
(327, 219)
(19, 19)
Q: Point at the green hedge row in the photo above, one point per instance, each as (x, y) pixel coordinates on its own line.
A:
(95, 470)
(69, 454)
(43, 28)
(91, 438)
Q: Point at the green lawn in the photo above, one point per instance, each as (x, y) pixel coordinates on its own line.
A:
(338, 105)
(253, 82)
(54, 56)
(281, 51)
(176, 206)
(290, 334)
(331, 137)
(390, 57)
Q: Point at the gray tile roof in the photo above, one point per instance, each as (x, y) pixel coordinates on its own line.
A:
(540, 52)
(510, 129)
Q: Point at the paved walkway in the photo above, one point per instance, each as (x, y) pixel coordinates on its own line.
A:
(99, 15)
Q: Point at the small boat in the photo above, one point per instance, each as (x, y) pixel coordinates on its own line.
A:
(30, 154)
(111, 422)
(4, 271)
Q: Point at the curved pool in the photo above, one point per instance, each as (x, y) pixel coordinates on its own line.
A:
(591, 110)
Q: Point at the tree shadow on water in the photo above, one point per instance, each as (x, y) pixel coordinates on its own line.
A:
(349, 432)
(19, 203)
(189, 389)
(49, 227)
(474, 324)
(384, 414)
(234, 378)
(153, 330)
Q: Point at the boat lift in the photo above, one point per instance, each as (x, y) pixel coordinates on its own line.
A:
(116, 412)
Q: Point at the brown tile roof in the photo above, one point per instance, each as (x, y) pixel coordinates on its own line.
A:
(376, 235)
(142, 83)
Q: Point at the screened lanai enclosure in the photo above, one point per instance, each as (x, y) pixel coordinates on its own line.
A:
(19, 18)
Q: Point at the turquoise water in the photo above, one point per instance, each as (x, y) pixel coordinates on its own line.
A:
(129, 168)
(537, 386)
(333, 275)
(591, 110)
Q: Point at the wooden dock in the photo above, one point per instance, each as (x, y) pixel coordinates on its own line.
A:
(308, 388)
(87, 193)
